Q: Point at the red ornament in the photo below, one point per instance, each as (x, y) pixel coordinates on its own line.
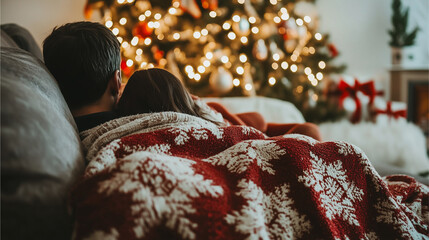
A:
(87, 11)
(210, 4)
(333, 50)
(157, 53)
(127, 71)
(390, 113)
(142, 30)
(281, 28)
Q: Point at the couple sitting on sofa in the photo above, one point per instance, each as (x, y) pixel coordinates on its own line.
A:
(93, 61)
(165, 175)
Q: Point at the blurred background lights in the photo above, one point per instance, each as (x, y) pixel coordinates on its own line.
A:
(135, 41)
(243, 58)
(206, 63)
(252, 19)
(109, 24)
(248, 86)
(226, 25)
(307, 19)
(197, 77)
(275, 65)
(224, 59)
(201, 69)
(231, 35)
(285, 65)
(197, 35)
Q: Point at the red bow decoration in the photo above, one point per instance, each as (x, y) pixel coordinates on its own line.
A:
(390, 113)
(346, 90)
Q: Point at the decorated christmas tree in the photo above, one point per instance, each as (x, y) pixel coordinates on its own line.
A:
(229, 48)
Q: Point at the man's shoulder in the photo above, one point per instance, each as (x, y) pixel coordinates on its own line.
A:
(88, 121)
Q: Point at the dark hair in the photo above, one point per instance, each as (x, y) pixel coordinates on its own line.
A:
(156, 90)
(83, 57)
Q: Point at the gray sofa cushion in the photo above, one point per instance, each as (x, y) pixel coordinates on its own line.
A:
(23, 38)
(41, 154)
(7, 41)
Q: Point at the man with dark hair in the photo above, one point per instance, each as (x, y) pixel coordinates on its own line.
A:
(84, 58)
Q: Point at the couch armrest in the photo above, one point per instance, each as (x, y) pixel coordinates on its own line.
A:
(273, 110)
(41, 154)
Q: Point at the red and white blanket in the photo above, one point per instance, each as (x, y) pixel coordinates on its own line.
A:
(174, 176)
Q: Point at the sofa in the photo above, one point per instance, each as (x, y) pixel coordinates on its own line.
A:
(41, 152)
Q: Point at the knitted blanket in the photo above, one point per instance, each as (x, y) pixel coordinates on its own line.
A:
(175, 176)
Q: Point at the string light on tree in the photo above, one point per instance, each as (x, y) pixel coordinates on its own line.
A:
(225, 48)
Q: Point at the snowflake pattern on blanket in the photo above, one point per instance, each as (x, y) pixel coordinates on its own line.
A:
(174, 176)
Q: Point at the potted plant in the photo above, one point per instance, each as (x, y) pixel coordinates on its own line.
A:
(399, 36)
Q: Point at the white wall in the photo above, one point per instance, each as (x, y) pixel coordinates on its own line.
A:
(41, 16)
(357, 28)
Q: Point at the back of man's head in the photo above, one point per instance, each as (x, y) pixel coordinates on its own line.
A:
(83, 57)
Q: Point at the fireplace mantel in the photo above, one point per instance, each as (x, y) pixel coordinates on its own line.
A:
(411, 85)
(400, 77)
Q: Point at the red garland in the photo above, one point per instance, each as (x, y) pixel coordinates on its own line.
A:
(346, 90)
(390, 113)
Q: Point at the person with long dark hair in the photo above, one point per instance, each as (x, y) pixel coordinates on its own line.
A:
(157, 90)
